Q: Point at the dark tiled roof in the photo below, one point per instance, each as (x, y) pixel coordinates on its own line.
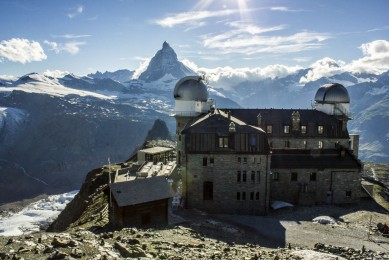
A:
(280, 117)
(218, 123)
(140, 191)
(314, 159)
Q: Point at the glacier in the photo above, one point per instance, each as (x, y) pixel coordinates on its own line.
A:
(35, 216)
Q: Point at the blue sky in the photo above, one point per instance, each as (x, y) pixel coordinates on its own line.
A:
(85, 36)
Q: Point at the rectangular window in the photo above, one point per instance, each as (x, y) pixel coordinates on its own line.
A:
(348, 194)
(276, 176)
(320, 129)
(252, 195)
(259, 176)
(312, 176)
(287, 144)
(257, 196)
(303, 129)
(239, 159)
(238, 196)
(244, 177)
(271, 144)
(179, 137)
(252, 176)
(244, 159)
(286, 129)
(320, 144)
(205, 161)
(208, 190)
(211, 160)
(305, 144)
(238, 176)
(243, 195)
(293, 176)
(269, 129)
(223, 142)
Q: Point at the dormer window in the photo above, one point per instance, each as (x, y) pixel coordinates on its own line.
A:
(320, 129)
(269, 129)
(286, 129)
(295, 121)
(232, 128)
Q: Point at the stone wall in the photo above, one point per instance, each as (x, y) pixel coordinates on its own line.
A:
(223, 174)
(331, 186)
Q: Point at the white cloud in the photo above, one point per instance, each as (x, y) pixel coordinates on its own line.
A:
(375, 58)
(227, 77)
(70, 47)
(21, 50)
(279, 8)
(72, 36)
(383, 28)
(8, 77)
(192, 18)
(249, 39)
(325, 67)
(76, 11)
(55, 73)
(142, 67)
(285, 9)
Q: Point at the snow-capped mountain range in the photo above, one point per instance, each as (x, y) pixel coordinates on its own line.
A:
(53, 130)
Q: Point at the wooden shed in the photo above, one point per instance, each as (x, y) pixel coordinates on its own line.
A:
(140, 203)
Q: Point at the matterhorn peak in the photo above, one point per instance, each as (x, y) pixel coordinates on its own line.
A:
(165, 45)
(165, 62)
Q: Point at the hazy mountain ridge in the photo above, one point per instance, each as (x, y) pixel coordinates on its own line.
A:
(120, 76)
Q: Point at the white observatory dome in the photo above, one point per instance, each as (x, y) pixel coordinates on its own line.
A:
(332, 93)
(191, 88)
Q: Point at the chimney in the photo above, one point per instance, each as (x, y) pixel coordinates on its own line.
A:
(259, 119)
(229, 115)
(295, 121)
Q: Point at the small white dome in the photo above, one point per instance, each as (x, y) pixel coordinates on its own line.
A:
(191, 88)
(332, 93)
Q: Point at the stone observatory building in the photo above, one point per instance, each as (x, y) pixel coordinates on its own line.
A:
(238, 161)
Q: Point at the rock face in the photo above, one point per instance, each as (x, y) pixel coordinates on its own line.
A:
(165, 62)
(158, 131)
(95, 181)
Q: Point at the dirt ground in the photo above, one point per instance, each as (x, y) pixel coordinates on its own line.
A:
(355, 226)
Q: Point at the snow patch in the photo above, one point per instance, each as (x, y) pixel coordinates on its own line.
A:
(324, 220)
(378, 91)
(12, 118)
(40, 84)
(36, 215)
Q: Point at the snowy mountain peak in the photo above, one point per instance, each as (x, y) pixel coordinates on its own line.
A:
(165, 45)
(326, 62)
(165, 62)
